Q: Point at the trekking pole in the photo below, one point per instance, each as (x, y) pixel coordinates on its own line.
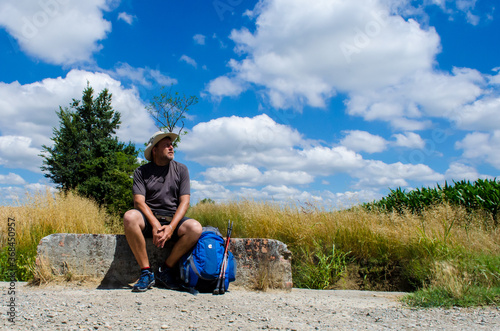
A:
(222, 288)
(217, 289)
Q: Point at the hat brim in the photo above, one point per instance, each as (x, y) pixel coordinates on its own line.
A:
(156, 138)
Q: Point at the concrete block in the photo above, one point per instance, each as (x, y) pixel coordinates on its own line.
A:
(108, 259)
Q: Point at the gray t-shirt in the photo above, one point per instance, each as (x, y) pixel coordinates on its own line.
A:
(162, 186)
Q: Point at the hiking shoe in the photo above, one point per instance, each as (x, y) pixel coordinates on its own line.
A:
(145, 282)
(168, 278)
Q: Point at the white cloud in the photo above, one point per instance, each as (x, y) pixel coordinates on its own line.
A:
(188, 60)
(283, 194)
(362, 141)
(409, 140)
(483, 114)
(199, 39)
(16, 194)
(326, 161)
(257, 151)
(11, 178)
(349, 198)
(142, 76)
(298, 51)
(303, 54)
(57, 31)
(224, 86)
(459, 171)
(495, 79)
(127, 18)
(19, 152)
(28, 113)
(8, 194)
(379, 174)
(286, 193)
(452, 8)
(216, 192)
(247, 175)
(421, 96)
(479, 146)
(239, 140)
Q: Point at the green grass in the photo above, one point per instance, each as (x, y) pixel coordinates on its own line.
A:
(320, 267)
(373, 250)
(444, 255)
(472, 296)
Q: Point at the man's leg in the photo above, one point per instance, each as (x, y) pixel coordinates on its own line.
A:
(133, 222)
(189, 232)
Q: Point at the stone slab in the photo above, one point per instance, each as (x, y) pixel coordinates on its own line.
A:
(108, 259)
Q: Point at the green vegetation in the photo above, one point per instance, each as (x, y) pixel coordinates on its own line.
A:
(443, 248)
(321, 268)
(87, 158)
(444, 254)
(482, 196)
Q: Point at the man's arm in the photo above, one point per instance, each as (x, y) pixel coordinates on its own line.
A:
(161, 233)
(181, 210)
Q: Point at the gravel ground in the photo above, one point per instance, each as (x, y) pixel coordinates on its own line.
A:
(71, 307)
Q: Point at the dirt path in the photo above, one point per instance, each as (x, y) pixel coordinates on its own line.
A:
(73, 307)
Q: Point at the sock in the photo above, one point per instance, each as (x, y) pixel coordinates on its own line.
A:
(147, 269)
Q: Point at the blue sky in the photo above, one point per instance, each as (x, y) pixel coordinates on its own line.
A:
(331, 102)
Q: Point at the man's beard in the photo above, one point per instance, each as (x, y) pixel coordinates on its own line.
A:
(164, 158)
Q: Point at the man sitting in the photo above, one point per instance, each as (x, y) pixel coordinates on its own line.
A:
(161, 193)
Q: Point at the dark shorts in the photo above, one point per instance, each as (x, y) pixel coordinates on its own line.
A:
(164, 220)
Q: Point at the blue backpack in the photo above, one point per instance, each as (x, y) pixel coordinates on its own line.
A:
(200, 268)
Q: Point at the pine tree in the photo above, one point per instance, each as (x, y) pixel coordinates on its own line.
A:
(86, 155)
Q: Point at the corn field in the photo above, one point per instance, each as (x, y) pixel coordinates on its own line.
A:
(481, 196)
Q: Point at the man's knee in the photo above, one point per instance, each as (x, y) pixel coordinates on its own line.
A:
(192, 228)
(132, 219)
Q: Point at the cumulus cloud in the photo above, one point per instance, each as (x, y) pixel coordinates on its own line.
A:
(57, 31)
(238, 140)
(224, 86)
(258, 152)
(19, 152)
(248, 175)
(481, 115)
(409, 104)
(480, 146)
(379, 174)
(460, 171)
(11, 178)
(325, 161)
(372, 51)
(27, 121)
(202, 190)
(362, 141)
(408, 140)
(303, 53)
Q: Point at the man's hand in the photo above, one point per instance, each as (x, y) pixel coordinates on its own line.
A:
(161, 235)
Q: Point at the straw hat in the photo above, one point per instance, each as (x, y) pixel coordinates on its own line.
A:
(155, 139)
